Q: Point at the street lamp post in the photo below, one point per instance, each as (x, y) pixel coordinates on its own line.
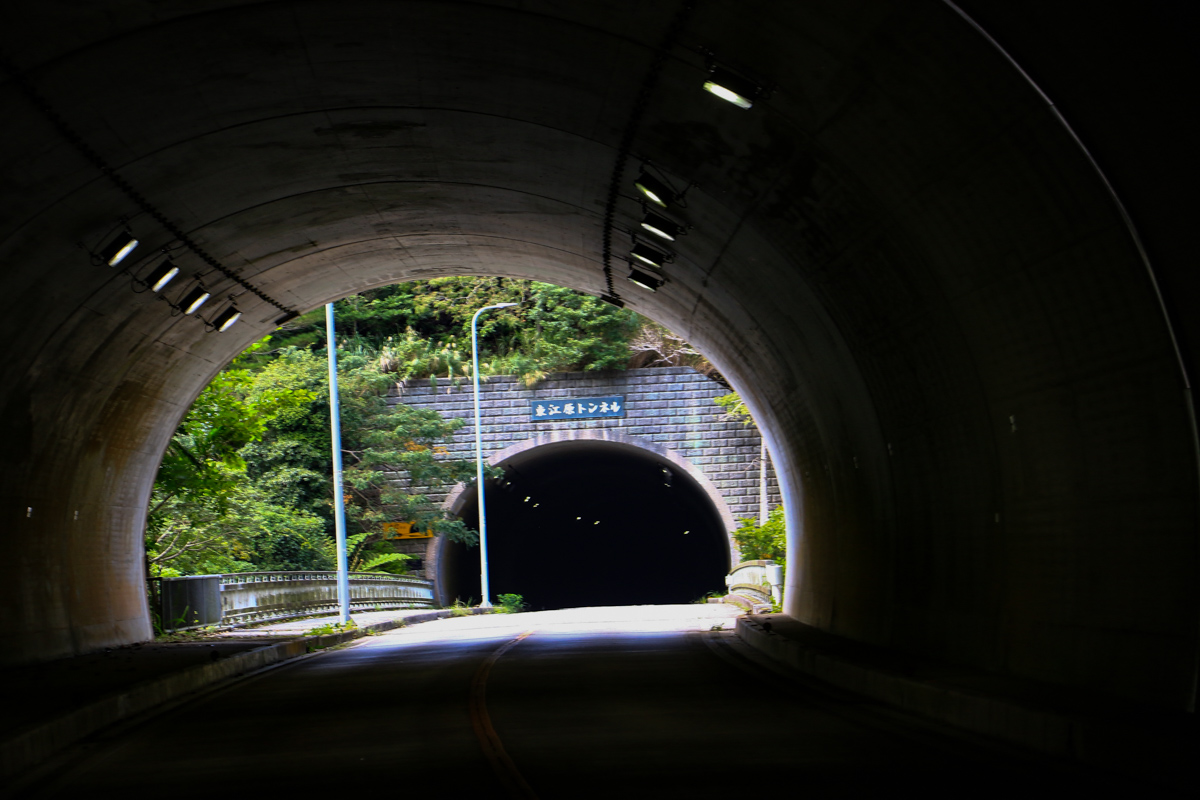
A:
(339, 503)
(483, 564)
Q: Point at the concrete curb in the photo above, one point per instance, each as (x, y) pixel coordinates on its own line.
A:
(1143, 751)
(41, 742)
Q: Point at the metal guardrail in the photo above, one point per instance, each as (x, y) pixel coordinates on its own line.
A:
(758, 581)
(271, 577)
(241, 598)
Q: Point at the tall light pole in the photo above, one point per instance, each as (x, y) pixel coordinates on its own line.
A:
(339, 502)
(483, 565)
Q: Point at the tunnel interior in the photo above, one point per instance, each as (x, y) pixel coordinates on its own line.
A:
(966, 368)
(590, 524)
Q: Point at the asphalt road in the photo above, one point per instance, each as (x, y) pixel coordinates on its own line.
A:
(629, 702)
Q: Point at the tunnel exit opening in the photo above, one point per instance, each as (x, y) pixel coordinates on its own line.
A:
(588, 523)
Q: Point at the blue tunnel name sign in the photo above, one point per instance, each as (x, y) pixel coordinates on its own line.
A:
(583, 408)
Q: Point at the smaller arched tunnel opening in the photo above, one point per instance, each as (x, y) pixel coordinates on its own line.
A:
(587, 523)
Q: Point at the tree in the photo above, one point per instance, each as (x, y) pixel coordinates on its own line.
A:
(204, 454)
(242, 532)
(394, 458)
(250, 487)
(203, 472)
(422, 329)
(767, 541)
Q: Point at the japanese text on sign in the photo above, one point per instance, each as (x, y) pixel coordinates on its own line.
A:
(576, 408)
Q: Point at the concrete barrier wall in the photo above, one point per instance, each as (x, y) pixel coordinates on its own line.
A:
(190, 602)
(753, 580)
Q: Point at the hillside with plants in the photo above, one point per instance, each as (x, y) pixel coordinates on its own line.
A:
(246, 483)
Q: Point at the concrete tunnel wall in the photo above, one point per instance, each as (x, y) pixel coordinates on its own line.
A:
(901, 257)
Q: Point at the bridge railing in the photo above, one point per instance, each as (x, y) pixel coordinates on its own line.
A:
(759, 581)
(240, 598)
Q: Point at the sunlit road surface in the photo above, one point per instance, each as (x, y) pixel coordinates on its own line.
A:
(644, 701)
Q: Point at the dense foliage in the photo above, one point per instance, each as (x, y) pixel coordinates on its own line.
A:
(262, 498)
(767, 541)
(423, 329)
(205, 516)
(735, 408)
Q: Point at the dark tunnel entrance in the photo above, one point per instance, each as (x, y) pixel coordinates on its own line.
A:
(589, 524)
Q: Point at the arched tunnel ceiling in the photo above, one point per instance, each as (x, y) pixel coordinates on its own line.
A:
(901, 257)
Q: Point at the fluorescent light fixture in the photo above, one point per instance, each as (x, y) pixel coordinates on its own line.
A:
(161, 275)
(648, 255)
(195, 298)
(226, 319)
(731, 88)
(661, 226)
(647, 279)
(118, 248)
(655, 190)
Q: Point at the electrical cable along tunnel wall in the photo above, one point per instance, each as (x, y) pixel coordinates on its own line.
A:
(931, 299)
(635, 505)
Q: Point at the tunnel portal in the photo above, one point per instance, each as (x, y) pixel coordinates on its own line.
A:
(586, 523)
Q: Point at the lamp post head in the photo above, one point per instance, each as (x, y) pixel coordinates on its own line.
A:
(488, 308)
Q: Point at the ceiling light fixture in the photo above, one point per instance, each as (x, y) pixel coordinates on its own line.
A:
(226, 318)
(656, 191)
(646, 278)
(732, 88)
(661, 226)
(118, 248)
(650, 255)
(161, 275)
(194, 299)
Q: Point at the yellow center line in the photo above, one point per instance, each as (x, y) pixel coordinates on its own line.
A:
(503, 766)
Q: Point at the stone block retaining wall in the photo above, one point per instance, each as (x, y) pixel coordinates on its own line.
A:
(671, 407)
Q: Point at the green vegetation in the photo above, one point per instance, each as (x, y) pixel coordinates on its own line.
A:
(767, 541)
(246, 484)
(258, 495)
(423, 329)
(332, 627)
(511, 603)
(735, 408)
(205, 516)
